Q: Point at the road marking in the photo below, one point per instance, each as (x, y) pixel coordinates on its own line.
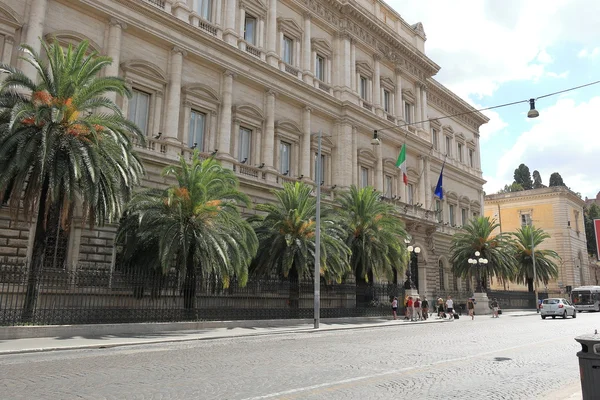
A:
(394, 372)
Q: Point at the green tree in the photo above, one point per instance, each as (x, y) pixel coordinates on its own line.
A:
(556, 180)
(195, 225)
(478, 235)
(591, 213)
(513, 187)
(64, 144)
(374, 234)
(545, 260)
(523, 177)
(537, 180)
(286, 235)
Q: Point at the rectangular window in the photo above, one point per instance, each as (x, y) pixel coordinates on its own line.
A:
(196, 130)
(285, 150)
(459, 149)
(364, 84)
(452, 220)
(471, 154)
(320, 68)
(138, 110)
(463, 216)
(386, 101)
(448, 146)
(203, 8)
(244, 148)
(388, 186)
(407, 113)
(438, 211)
(288, 50)
(410, 193)
(434, 138)
(525, 219)
(250, 29)
(364, 177)
(323, 170)
(576, 221)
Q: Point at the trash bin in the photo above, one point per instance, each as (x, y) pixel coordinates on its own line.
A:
(589, 365)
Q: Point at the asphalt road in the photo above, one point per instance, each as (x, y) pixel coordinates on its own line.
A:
(507, 358)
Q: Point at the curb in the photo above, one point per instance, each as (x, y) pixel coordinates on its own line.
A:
(387, 324)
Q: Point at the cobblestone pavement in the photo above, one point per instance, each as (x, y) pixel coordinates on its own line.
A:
(505, 358)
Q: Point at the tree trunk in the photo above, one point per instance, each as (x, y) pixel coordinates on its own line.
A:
(189, 284)
(37, 257)
(294, 298)
(530, 284)
(364, 292)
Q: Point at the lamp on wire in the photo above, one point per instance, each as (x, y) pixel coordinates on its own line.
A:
(532, 113)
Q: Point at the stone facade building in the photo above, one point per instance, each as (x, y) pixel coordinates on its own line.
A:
(559, 212)
(251, 81)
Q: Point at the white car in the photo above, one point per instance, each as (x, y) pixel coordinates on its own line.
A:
(556, 307)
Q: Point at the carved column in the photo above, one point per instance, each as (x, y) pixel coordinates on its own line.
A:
(342, 171)
(379, 168)
(421, 180)
(424, 95)
(272, 56)
(35, 30)
(427, 180)
(417, 109)
(306, 64)
(9, 44)
(269, 140)
(377, 85)
(305, 151)
(174, 94)
(353, 66)
(398, 100)
(230, 35)
(226, 103)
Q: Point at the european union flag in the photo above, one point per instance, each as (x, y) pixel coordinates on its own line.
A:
(439, 191)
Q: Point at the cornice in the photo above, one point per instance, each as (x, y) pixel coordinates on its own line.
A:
(451, 104)
(553, 192)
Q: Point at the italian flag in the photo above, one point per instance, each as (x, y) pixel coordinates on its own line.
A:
(401, 163)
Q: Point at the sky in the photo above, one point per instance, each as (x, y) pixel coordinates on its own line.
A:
(494, 52)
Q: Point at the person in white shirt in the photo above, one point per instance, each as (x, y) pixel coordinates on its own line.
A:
(450, 308)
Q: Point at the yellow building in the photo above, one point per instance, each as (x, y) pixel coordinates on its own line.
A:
(559, 212)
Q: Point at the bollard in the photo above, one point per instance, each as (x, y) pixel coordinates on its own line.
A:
(589, 365)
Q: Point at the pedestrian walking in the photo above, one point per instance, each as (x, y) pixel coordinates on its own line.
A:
(406, 307)
(440, 308)
(450, 308)
(495, 307)
(471, 308)
(425, 308)
(395, 307)
(418, 311)
(410, 308)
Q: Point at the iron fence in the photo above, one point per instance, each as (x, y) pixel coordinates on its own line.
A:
(515, 300)
(92, 295)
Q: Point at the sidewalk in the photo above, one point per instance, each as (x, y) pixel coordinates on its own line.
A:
(101, 336)
(44, 344)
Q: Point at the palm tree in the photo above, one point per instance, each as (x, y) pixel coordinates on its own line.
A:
(286, 234)
(64, 144)
(545, 260)
(374, 235)
(194, 225)
(477, 236)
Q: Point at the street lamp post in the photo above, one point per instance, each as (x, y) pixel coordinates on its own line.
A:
(317, 272)
(480, 262)
(413, 251)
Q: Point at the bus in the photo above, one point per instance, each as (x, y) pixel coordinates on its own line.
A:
(586, 298)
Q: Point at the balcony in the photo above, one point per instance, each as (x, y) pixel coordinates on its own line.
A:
(290, 69)
(281, 179)
(390, 118)
(207, 27)
(366, 106)
(249, 171)
(324, 87)
(157, 3)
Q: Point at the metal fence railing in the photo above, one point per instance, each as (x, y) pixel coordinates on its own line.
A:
(93, 295)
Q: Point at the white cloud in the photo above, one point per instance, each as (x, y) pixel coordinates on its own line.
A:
(481, 44)
(562, 139)
(585, 53)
